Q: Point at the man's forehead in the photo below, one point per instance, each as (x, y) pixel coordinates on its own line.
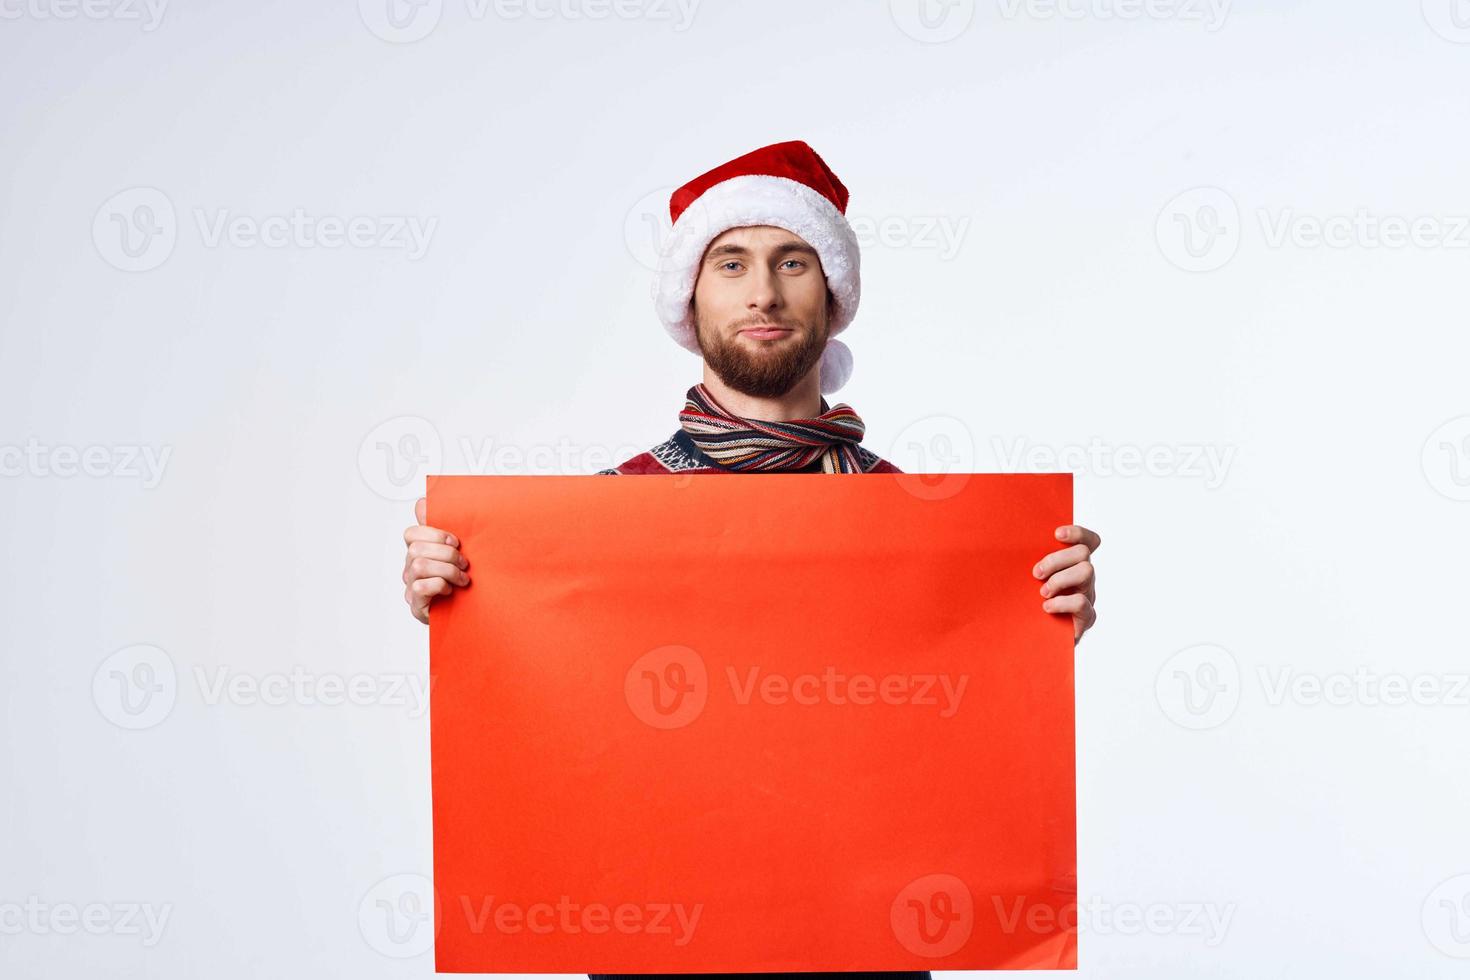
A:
(758, 236)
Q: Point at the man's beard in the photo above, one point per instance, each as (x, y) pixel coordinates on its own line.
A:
(765, 373)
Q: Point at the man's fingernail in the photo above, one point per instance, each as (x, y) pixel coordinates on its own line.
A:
(1062, 533)
(452, 541)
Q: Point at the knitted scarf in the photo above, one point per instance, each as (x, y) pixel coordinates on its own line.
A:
(758, 446)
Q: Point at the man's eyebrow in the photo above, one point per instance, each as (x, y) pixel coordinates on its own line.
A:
(785, 248)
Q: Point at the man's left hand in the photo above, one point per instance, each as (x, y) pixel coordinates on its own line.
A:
(1069, 583)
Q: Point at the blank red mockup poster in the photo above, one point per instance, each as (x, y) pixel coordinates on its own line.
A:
(752, 723)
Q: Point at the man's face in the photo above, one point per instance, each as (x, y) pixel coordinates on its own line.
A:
(754, 277)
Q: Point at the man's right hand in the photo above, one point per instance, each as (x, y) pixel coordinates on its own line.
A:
(433, 566)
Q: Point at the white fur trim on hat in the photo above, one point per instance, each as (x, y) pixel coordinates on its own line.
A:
(761, 199)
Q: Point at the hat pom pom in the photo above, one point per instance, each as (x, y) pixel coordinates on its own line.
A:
(836, 366)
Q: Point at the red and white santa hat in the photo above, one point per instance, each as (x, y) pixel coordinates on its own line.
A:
(786, 185)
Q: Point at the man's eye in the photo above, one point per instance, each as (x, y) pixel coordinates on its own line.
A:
(726, 265)
(797, 261)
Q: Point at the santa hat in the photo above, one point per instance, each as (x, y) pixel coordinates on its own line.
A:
(786, 185)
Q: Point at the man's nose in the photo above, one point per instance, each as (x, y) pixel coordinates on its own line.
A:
(765, 290)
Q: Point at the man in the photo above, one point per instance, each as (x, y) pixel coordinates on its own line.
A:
(758, 276)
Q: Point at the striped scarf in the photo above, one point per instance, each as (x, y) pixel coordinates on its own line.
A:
(757, 446)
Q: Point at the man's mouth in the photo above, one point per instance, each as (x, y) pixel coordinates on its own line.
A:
(765, 332)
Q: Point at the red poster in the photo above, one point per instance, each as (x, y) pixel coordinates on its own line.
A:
(760, 722)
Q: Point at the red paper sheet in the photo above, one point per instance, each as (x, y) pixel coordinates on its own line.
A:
(752, 723)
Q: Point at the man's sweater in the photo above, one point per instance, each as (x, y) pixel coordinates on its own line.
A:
(679, 454)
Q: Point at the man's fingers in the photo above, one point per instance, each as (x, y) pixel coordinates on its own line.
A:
(429, 588)
(438, 552)
(1083, 615)
(435, 571)
(1068, 578)
(422, 532)
(1077, 534)
(1058, 560)
(421, 510)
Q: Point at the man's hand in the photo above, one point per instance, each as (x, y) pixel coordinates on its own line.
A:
(1070, 586)
(433, 566)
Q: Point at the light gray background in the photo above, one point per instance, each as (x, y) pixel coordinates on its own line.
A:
(1113, 178)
